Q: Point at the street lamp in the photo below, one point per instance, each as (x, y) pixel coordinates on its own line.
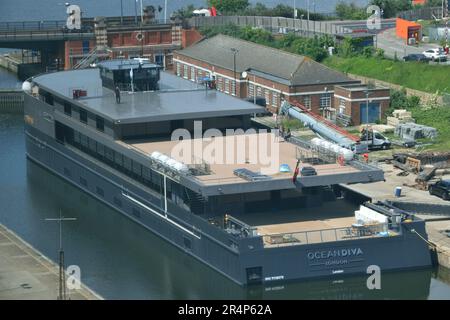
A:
(245, 75)
(367, 115)
(235, 52)
(121, 12)
(62, 277)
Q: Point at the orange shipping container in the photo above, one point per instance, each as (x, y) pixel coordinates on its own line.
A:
(408, 29)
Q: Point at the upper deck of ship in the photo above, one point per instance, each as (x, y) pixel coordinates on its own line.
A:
(177, 99)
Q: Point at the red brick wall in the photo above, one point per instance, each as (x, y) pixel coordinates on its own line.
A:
(128, 39)
(314, 91)
(353, 108)
(190, 37)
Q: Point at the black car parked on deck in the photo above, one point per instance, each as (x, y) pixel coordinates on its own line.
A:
(440, 189)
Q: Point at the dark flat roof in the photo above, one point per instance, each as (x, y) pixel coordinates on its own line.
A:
(126, 64)
(178, 98)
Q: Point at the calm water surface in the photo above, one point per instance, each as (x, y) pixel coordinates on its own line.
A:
(120, 259)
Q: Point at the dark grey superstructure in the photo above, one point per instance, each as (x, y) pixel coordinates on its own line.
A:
(251, 227)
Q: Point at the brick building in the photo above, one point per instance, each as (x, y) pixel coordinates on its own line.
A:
(351, 103)
(270, 73)
(155, 41)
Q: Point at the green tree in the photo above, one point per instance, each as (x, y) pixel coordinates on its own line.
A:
(392, 7)
(185, 12)
(350, 11)
(229, 6)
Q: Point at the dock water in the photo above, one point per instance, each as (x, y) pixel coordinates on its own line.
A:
(11, 101)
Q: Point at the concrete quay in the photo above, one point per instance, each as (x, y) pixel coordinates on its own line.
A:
(26, 274)
(436, 224)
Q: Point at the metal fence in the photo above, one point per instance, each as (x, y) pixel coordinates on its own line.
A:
(272, 24)
(423, 13)
(11, 101)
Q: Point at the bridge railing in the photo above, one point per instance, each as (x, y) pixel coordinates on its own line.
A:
(32, 26)
(44, 35)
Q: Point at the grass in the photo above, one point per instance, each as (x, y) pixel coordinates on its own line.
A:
(438, 118)
(413, 75)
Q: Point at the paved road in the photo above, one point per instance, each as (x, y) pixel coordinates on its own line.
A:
(388, 41)
(25, 274)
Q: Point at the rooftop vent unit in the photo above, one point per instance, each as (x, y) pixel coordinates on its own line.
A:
(250, 175)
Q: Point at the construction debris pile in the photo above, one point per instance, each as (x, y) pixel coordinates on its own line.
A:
(426, 166)
(399, 117)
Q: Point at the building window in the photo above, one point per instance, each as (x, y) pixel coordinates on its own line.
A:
(258, 91)
(274, 99)
(83, 116)
(192, 73)
(200, 74)
(267, 96)
(342, 105)
(251, 90)
(100, 123)
(307, 102)
(325, 101)
(178, 69)
(220, 83)
(227, 86)
(68, 109)
(185, 71)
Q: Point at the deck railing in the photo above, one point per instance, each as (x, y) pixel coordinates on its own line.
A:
(330, 235)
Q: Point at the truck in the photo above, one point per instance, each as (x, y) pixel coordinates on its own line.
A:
(374, 140)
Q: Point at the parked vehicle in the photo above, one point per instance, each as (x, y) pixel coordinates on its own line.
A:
(308, 171)
(440, 189)
(416, 57)
(375, 140)
(435, 54)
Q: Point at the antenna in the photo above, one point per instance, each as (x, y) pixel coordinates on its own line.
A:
(62, 275)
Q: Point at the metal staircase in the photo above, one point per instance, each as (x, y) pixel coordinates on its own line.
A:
(93, 57)
(196, 200)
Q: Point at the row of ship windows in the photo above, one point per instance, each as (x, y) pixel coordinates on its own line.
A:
(83, 117)
(125, 165)
(118, 203)
(101, 193)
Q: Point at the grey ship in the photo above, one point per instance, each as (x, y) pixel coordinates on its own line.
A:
(250, 226)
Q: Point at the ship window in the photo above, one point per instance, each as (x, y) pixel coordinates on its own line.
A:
(187, 243)
(117, 202)
(68, 109)
(254, 275)
(67, 172)
(109, 154)
(137, 169)
(136, 213)
(100, 192)
(83, 116)
(118, 159)
(101, 150)
(83, 181)
(100, 124)
(92, 145)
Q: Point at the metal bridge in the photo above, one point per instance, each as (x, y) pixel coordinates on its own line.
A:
(27, 34)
